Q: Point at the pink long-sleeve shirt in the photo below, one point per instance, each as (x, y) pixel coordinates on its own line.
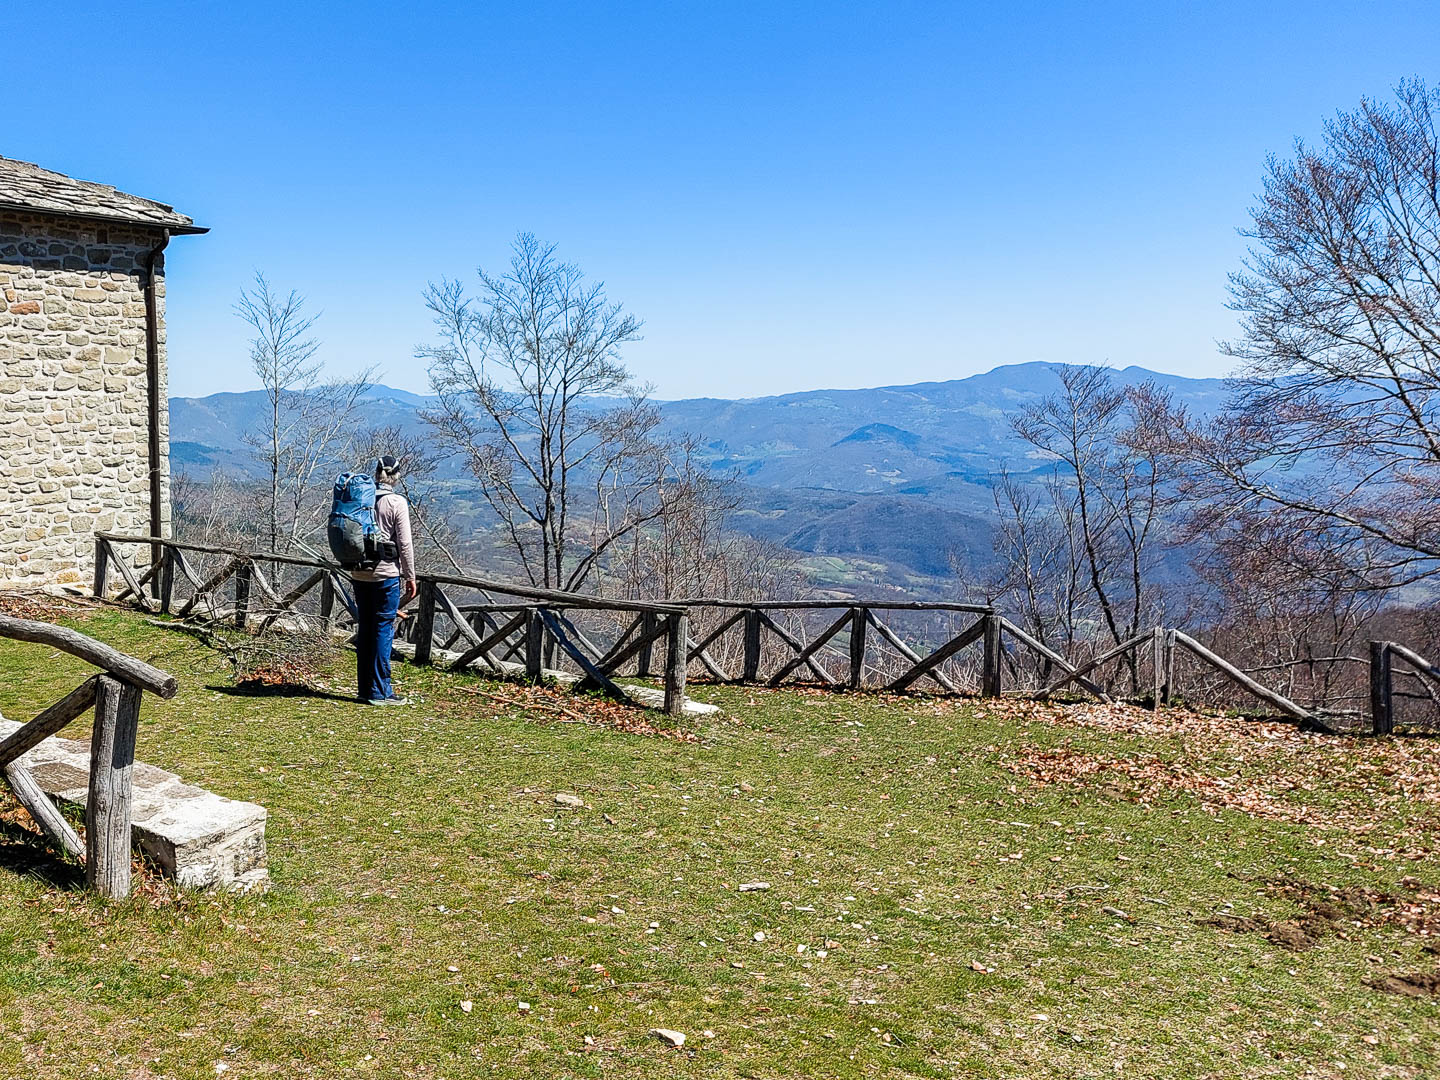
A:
(392, 514)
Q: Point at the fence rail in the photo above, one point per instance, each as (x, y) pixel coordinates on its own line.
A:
(467, 622)
(534, 632)
(115, 696)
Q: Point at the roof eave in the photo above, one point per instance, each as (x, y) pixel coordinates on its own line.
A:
(175, 229)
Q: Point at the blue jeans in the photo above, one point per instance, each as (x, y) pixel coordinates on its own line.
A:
(377, 603)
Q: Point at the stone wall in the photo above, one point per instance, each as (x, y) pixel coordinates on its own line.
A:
(73, 402)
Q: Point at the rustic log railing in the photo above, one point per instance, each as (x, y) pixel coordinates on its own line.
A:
(115, 696)
(881, 661)
(1163, 643)
(535, 633)
(525, 637)
(531, 631)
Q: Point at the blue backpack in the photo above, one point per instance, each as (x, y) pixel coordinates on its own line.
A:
(353, 533)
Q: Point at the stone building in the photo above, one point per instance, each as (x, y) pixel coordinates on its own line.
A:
(84, 426)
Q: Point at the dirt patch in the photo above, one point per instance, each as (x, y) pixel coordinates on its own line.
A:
(1330, 909)
(1414, 907)
(1416, 984)
(1295, 935)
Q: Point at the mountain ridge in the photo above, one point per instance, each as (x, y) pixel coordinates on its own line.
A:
(900, 476)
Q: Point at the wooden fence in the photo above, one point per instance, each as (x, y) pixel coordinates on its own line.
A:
(472, 623)
(115, 697)
(249, 590)
(1383, 693)
(469, 622)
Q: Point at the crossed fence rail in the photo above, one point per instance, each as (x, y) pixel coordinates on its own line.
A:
(467, 622)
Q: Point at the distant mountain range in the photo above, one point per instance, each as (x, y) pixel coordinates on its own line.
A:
(887, 484)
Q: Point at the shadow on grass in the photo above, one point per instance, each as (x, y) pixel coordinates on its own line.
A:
(256, 688)
(23, 852)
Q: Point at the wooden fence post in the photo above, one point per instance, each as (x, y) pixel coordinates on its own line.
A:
(327, 601)
(102, 568)
(535, 646)
(858, 622)
(750, 672)
(1167, 685)
(167, 579)
(990, 685)
(676, 661)
(1157, 661)
(108, 805)
(424, 632)
(645, 658)
(243, 574)
(1382, 703)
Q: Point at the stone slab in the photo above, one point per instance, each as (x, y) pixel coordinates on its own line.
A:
(200, 839)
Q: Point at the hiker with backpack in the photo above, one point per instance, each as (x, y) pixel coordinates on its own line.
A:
(369, 536)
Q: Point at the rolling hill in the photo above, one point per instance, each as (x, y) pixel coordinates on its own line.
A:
(895, 477)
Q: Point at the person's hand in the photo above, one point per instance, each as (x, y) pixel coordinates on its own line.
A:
(408, 593)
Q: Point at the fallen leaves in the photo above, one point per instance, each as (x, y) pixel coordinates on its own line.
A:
(1264, 770)
(538, 701)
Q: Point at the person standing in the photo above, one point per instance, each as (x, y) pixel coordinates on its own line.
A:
(381, 593)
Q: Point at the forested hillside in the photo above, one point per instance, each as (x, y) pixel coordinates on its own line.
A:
(890, 485)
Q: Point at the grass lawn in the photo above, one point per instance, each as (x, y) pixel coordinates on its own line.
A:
(956, 889)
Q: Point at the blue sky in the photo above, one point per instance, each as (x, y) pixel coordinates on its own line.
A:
(790, 195)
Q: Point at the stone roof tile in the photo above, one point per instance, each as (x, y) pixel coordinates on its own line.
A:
(24, 186)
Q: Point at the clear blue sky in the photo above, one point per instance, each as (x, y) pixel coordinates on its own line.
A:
(790, 195)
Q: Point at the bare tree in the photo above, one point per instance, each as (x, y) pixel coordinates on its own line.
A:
(309, 420)
(1333, 421)
(218, 511)
(692, 551)
(534, 398)
(1116, 479)
(1041, 563)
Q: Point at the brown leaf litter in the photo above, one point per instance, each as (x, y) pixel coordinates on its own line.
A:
(546, 704)
(1263, 769)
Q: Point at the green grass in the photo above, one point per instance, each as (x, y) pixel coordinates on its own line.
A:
(405, 842)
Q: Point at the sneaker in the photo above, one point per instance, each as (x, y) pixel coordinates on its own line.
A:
(389, 701)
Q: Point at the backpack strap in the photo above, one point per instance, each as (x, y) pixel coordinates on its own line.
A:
(386, 545)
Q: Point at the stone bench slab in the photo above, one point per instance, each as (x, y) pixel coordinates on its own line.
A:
(200, 839)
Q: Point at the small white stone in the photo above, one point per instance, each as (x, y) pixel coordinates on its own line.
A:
(523, 1006)
(759, 935)
(668, 1037)
(755, 886)
(564, 799)
(466, 1006)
